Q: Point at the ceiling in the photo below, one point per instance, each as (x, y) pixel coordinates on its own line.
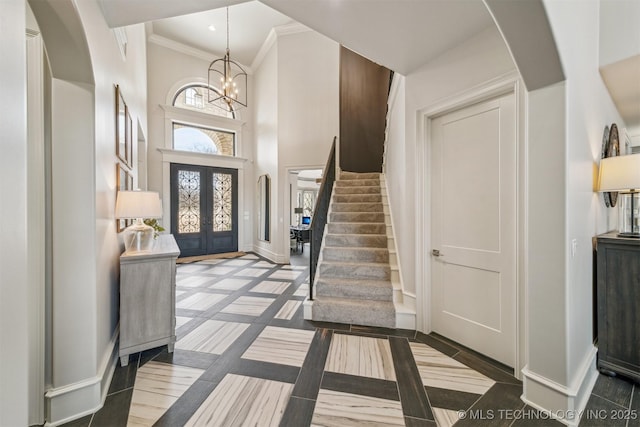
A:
(249, 26)
(401, 35)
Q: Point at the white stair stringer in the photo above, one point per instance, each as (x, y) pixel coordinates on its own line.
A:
(405, 302)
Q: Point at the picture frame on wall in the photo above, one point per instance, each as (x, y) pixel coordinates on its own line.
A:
(123, 130)
(124, 182)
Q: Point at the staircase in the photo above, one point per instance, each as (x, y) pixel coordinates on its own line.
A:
(353, 283)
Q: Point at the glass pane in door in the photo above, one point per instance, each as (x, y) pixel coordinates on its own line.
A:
(188, 201)
(222, 202)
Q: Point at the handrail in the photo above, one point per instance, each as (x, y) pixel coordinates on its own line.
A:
(320, 213)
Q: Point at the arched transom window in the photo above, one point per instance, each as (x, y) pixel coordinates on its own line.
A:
(194, 97)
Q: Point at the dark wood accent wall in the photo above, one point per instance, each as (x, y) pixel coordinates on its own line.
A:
(364, 91)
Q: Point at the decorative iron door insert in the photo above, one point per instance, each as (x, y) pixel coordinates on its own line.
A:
(204, 209)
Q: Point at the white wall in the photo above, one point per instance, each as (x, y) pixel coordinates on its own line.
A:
(478, 60)
(14, 355)
(85, 245)
(588, 109)
(296, 118)
(266, 144)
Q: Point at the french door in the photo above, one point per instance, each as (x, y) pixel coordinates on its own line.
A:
(204, 209)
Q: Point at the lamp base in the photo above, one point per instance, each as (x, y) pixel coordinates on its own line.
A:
(630, 235)
(138, 237)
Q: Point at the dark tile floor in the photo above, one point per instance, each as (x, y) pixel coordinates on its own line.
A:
(246, 356)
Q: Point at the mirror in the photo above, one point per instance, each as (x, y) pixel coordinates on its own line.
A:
(264, 195)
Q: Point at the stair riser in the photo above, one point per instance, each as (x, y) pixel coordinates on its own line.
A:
(357, 190)
(355, 228)
(382, 272)
(356, 217)
(354, 241)
(355, 255)
(354, 316)
(357, 207)
(354, 292)
(358, 183)
(357, 198)
(355, 175)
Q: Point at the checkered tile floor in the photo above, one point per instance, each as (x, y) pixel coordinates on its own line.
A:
(245, 356)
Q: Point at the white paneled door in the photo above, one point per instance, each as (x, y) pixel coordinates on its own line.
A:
(473, 227)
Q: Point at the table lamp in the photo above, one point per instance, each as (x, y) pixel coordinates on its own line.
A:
(622, 174)
(138, 205)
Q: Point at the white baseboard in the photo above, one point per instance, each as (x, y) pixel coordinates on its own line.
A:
(73, 401)
(266, 253)
(563, 403)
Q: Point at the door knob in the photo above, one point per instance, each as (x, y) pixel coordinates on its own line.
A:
(436, 252)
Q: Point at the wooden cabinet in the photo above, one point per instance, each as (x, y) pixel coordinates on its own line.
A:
(147, 298)
(618, 300)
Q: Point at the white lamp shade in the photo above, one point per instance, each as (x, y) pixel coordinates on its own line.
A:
(620, 173)
(138, 204)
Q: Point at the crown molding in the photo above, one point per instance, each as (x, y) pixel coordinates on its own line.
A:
(279, 31)
(189, 50)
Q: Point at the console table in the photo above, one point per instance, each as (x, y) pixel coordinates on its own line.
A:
(148, 298)
(618, 295)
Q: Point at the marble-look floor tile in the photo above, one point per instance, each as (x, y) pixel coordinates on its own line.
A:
(178, 293)
(248, 306)
(251, 272)
(445, 417)
(238, 262)
(189, 268)
(302, 291)
(362, 356)
(200, 301)
(249, 256)
(269, 287)
(193, 281)
(181, 320)
(264, 264)
(439, 370)
(220, 270)
(285, 274)
(337, 409)
(285, 346)
(230, 284)
(288, 310)
(213, 336)
(243, 401)
(157, 387)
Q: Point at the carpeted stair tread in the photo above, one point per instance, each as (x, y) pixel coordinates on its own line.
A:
(361, 240)
(356, 254)
(357, 198)
(358, 183)
(355, 270)
(356, 228)
(356, 207)
(355, 312)
(345, 175)
(378, 290)
(356, 217)
(372, 189)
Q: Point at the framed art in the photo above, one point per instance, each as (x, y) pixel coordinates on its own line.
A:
(123, 140)
(124, 182)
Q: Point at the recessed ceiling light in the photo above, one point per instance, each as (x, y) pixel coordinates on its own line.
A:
(211, 27)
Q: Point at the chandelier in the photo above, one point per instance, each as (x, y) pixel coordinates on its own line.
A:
(227, 82)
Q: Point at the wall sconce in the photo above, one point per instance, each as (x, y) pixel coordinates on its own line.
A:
(138, 205)
(622, 174)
